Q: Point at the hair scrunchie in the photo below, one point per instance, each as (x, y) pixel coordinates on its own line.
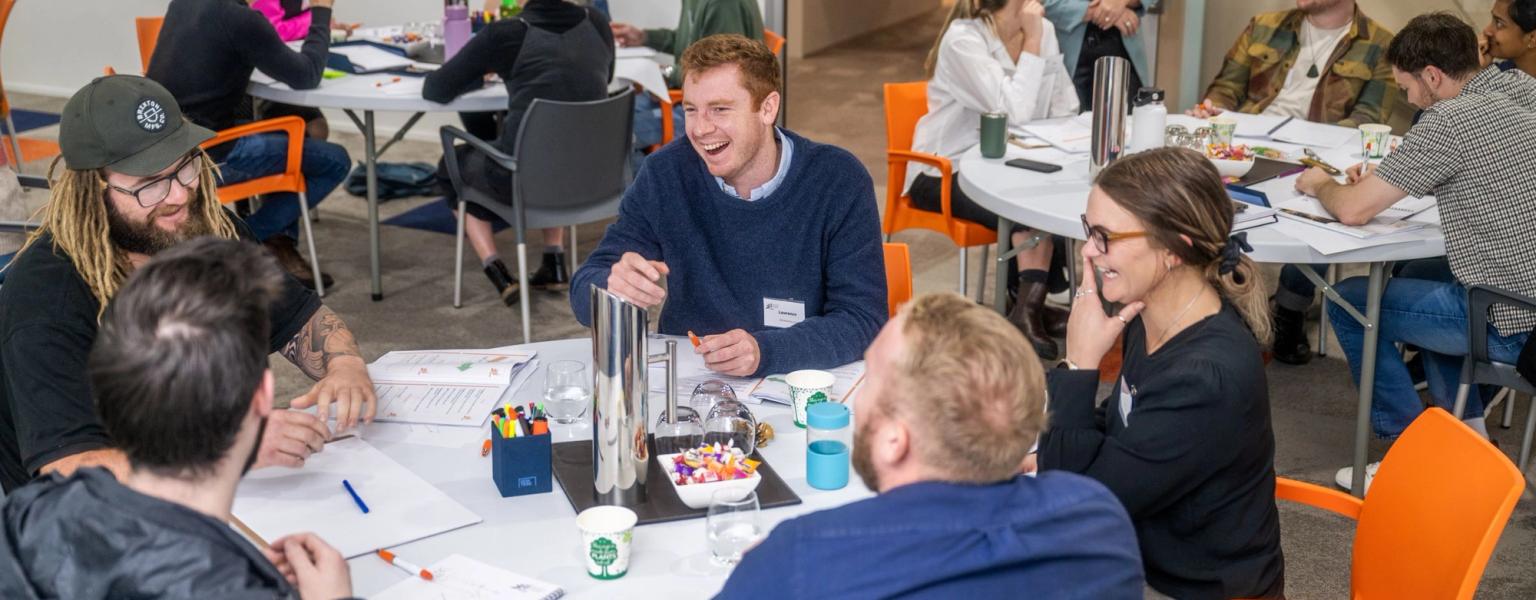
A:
(1232, 252)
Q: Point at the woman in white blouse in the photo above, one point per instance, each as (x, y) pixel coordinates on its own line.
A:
(996, 56)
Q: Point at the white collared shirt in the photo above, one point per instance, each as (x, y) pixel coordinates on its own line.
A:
(786, 152)
(975, 75)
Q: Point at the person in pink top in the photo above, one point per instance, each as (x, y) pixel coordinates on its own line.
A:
(291, 19)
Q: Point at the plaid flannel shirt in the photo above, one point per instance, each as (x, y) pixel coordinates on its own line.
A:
(1356, 87)
(1465, 150)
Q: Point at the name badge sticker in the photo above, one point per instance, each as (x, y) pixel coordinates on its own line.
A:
(782, 313)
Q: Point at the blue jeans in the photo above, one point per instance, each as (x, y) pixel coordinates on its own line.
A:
(648, 121)
(1295, 291)
(1429, 313)
(325, 166)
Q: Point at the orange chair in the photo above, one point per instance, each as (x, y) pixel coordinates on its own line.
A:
(290, 180)
(775, 44)
(149, 33)
(1432, 515)
(905, 103)
(898, 276)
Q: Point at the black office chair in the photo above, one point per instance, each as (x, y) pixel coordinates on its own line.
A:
(572, 167)
(1478, 369)
(22, 227)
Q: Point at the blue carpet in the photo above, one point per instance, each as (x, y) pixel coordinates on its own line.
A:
(432, 216)
(27, 120)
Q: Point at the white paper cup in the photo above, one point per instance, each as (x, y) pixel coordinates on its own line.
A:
(803, 385)
(1374, 138)
(607, 532)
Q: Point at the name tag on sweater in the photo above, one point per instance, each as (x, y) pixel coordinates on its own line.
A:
(782, 313)
(1127, 397)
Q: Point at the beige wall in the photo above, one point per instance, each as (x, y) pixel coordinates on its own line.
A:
(818, 24)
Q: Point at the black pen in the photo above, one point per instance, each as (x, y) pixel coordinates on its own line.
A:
(1309, 217)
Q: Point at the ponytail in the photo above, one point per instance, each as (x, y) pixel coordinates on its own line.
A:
(1238, 283)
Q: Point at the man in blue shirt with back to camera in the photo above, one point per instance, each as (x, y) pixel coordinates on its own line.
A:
(942, 433)
(770, 242)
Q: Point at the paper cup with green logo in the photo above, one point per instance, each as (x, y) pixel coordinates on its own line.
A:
(607, 532)
(807, 387)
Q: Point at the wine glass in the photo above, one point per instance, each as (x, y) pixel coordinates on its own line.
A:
(732, 525)
(567, 391)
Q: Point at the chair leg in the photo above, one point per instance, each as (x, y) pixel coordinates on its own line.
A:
(965, 266)
(10, 127)
(981, 275)
(1525, 444)
(309, 237)
(1461, 399)
(573, 250)
(1509, 409)
(522, 291)
(458, 258)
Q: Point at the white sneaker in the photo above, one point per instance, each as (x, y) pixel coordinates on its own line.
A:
(1346, 476)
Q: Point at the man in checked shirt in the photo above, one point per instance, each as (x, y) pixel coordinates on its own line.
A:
(1464, 150)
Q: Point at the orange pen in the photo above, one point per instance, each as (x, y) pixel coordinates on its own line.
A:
(485, 449)
(693, 338)
(400, 563)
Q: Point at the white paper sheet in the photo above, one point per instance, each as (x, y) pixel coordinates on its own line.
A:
(1254, 126)
(436, 404)
(403, 507)
(448, 366)
(1072, 135)
(634, 52)
(436, 436)
(1317, 135)
(459, 577)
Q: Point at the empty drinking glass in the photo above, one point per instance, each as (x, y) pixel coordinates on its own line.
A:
(567, 391)
(706, 394)
(732, 525)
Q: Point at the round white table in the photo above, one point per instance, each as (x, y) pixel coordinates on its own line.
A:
(536, 535)
(385, 92)
(1055, 203)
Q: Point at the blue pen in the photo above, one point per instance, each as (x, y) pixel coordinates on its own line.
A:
(355, 497)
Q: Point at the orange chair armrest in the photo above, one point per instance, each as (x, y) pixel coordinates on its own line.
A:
(945, 167)
(675, 96)
(292, 126)
(1318, 496)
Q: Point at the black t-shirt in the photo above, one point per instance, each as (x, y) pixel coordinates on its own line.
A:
(208, 48)
(47, 325)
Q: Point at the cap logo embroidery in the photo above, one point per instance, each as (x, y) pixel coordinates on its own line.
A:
(151, 116)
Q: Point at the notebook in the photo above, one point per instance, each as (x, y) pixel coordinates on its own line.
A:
(463, 578)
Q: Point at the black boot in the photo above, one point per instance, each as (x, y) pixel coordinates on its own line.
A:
(505, 283)
(552, 275)
(286, 250)
(1026, 316)
(1291, 346)
(1055, 321)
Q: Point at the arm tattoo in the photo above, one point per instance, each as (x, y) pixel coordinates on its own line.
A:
(325, 337)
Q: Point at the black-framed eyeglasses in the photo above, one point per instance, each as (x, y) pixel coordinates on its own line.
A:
(1101, 237)
(188, 173)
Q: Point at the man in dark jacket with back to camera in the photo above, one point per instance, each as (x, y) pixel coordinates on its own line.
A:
(181, 383)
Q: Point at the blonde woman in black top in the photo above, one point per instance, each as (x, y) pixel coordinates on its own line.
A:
(1184, 441)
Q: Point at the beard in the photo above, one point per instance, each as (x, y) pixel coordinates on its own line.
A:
(146, 238)
(1319, 6)
(862, 464)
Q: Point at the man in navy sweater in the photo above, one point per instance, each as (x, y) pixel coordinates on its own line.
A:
(955, 397)
(770, 242)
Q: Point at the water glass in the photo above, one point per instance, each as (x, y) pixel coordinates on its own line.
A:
(567, 391)
(732, 525)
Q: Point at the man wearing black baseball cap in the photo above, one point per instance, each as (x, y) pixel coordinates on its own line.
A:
(134, 183)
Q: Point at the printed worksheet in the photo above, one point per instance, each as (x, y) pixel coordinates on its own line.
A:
(459, 577)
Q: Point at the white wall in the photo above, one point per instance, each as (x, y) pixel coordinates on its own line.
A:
(52, 47)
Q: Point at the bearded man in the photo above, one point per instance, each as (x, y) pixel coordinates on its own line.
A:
(135, 183)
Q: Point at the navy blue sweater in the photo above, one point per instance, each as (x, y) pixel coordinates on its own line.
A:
(816, 239)
(1059, 536)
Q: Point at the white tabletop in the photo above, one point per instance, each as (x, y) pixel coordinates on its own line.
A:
(536, 535)
(387, 92)
(1055, 202)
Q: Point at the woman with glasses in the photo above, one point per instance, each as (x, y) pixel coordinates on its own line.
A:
(1184, 439)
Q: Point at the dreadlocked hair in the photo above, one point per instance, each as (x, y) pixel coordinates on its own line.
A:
(76, 217)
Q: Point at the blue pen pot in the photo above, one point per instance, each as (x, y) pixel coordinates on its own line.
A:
(828, 439)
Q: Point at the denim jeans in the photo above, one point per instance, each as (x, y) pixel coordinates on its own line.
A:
(324, 164)
(648, 121)
(1429, 313)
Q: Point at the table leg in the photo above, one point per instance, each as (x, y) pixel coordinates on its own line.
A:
(1000, 286)
(1367, 374)
(371, 157)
